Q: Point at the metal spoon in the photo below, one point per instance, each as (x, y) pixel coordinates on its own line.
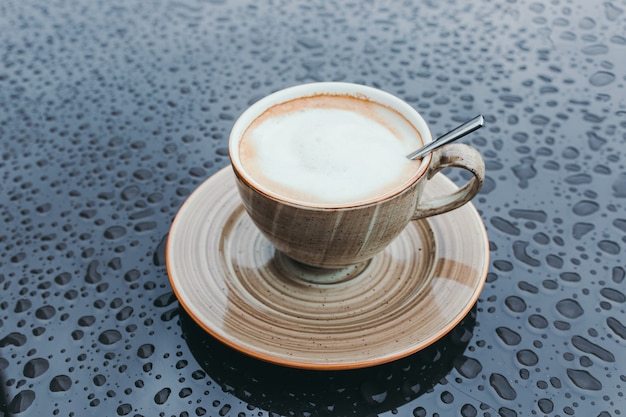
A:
(467, 127)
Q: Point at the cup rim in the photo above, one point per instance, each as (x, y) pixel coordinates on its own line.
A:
(326, 88)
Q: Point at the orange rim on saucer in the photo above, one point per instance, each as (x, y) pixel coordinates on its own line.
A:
(232, 282)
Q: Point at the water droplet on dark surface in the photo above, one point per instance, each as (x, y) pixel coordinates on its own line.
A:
(109, 337)
(585, 208)
(537, 321)
(525, 171)
(505, 226)
(63, 278)
(535, 215)
(508, 336)
(581, 229)
(617, 327)
(613, 295)
(601, 78)
(587, 346)
(159, 253)
(583, 379)
(527, 357)
(22, 305)
(93, 276)
(468, 367)
(502, 386)
(162, 396)
(597, 49)
(114, 232)
(619, 186)
(36, 367)
(569, 308)
(60, 383)
(145, 351)
(45, 312)
(519, 250)
(13, 339)
(21, 402)
(570, 276)
(609, 247)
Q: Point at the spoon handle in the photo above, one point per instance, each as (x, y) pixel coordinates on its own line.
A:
(457, 133)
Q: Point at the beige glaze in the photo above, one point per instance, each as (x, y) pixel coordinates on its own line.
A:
(328, 236)
(331, 238)
(234, 284)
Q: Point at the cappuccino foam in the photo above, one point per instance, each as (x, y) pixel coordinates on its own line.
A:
(330, 150)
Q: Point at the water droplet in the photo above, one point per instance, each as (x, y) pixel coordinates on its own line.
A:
(109, 337)
(130, 193)
(63, 278)
(124, 313)
(601, 78)
(124, 409)
(22, 305)
(162, 396)
(60, 383)
(585, 208)
(45, 312)
(21, 401)
(619, 186)
(525, 171)
(535, 215)
(527, 357)
(159, 253)
(99, 380)
(468, 410)
(611, 11)
(569, 308)
(595, 141)
(468, 367)
(545, 405)
(505, 226)
(583, 379)
(609, 247)
(145, 226)
(617, 327)
(597, 49)
(502, 386)
(36, 367)
(145, 351)
(581, 229)
(114, 232)
(508, 336)
(165, 299)
(578, 179)
(537, 321)
(613, 295)
(587, 346)
(93, 276)
(519, 250)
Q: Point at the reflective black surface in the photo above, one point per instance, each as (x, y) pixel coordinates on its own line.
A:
(111, 113)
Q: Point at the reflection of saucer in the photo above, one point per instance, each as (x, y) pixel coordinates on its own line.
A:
(230, 280)
(368, 391)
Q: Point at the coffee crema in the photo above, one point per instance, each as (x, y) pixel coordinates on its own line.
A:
(330, 150)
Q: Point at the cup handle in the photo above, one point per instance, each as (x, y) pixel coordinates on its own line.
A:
(459, 156)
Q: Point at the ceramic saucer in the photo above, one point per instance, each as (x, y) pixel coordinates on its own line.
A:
(233, 283)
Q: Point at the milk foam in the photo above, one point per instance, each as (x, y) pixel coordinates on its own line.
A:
(330, 150)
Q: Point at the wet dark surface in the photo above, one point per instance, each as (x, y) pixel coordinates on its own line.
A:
(112, 113)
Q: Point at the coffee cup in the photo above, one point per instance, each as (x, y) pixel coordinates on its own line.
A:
(321, 169)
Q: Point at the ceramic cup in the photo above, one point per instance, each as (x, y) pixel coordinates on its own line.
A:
(334, 236)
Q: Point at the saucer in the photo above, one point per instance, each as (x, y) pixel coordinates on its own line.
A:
(238, 288)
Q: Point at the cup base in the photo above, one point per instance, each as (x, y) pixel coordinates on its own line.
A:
(295, 270)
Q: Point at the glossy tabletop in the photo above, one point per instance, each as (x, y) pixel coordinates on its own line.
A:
(113, 112)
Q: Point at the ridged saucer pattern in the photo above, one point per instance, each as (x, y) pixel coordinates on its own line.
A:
(233, 283)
